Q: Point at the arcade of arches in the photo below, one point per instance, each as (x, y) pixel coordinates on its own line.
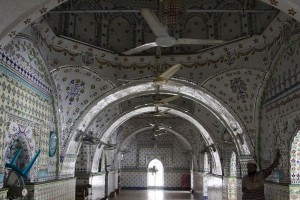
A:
(68, 92)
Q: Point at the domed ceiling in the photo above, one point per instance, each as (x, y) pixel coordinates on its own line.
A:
(118, 26)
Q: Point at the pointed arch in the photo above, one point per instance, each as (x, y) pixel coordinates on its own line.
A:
(195, 93)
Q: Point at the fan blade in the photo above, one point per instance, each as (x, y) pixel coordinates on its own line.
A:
(161, 133)
(166, 100)
(158, 29)
(170, 72)
(140, 48)
(199, 41)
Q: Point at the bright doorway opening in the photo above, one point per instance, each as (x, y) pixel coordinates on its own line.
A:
(155, 174)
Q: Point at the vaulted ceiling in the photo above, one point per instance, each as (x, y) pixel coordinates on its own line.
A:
(218, 84)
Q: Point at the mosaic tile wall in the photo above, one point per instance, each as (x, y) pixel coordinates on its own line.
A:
(183, 127)
(84, 158)
(281, 113)
(138, 179)
(58, 189)
(173, 179)
(75, 95)
(142, 149)
(26, 108)
(166, 148)
(133, 179)
(21, 134)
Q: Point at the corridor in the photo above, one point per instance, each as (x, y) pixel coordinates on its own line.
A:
(98, 96)
(154, 195)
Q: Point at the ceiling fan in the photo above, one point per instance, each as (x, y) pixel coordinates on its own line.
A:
(158, 103)
(163, 39)
(88, 138)
(158, 127)
(159, 113)
(158, 133)
(162, 78)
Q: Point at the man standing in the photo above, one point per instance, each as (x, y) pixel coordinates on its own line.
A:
(253, 183)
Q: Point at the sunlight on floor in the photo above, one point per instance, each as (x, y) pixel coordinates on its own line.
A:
(154, 195)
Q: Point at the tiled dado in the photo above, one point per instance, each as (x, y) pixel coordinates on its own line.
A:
(275, 191)
(234, 188)
(3, 193)
(56, 189)
(137, 179)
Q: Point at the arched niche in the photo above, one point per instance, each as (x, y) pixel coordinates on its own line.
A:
(20, 136)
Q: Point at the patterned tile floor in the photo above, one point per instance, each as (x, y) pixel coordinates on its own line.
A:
(154, 195)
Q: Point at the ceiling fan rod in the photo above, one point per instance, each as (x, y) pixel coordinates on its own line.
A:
(188, 10)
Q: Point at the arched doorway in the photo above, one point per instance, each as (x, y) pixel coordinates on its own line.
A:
(155, 174)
